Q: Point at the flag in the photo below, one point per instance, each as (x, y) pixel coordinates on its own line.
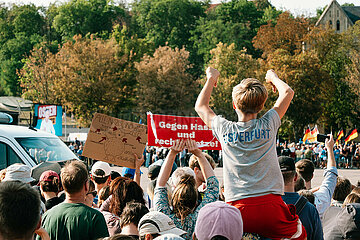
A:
(340, 135)
(313, 134)
(306, 135)
(352, 135)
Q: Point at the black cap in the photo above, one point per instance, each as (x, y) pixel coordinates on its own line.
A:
(286, 163)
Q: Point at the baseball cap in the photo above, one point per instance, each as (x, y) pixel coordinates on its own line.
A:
(45, 176)
(157, 223)
(169, 236)
(18, 172)
(286, 163)
(129, 171)
(219, 219)
(100, 165)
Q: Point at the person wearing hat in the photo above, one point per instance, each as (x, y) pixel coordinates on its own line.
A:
(154, 224)
(306, 211)
(100, 176)
(18, 172)
(218, 219)
(345, 224)
(49, 183)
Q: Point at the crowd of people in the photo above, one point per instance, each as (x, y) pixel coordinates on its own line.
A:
(266, 194)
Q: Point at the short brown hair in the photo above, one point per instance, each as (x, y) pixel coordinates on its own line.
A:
(249, 96)
(73, 176)
(132, 213)
(194, 161)
(305, 168)
(288, 176)
(342, 189)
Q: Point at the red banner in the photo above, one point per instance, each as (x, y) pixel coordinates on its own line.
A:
(163, 130)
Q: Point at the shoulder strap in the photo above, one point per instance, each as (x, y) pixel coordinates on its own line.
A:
(300, 204)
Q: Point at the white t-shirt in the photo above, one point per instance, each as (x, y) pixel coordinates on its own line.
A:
(251, 166)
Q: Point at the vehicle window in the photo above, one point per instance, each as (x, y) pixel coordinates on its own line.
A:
(2, 156)
(43, 149)
(8, 156)
(13, 157)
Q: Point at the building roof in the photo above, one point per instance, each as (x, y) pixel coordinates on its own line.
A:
(353, 13)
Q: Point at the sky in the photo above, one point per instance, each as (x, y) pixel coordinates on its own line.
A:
(302, 7)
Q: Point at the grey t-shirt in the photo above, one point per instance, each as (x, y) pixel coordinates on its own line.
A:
(251, 166)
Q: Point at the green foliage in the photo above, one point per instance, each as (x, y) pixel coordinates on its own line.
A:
(236, 22)
(87, 16)
(167, 22)
(165, 86)
(86, 76)
(234, 66)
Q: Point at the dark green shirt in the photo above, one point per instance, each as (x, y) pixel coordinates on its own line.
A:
(74, 221)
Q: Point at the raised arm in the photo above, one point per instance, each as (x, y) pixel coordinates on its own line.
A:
(285, 92)
(169, 161)
(138, 163)
(202, 103)
(329, 144)
(205, 166)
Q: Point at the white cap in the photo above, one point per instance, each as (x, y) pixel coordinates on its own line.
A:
(18, 172)
(169, 236)
(157, 223)
(101, 166)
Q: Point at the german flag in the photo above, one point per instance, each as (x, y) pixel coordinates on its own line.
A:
(352, 135)
(306, 135)
(340, 135)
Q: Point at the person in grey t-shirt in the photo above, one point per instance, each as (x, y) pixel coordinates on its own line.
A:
(252, 177)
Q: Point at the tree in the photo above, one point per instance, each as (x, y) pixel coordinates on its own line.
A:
(86, 76)
(87, 16)
(234, 66)
(305, 76)
(167, 22)
(288, 34)
(165, 86)
(230, 22)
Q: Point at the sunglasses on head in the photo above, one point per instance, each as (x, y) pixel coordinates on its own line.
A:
(94, 193)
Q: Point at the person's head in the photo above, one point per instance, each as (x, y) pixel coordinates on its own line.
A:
(154, 224)
(49, 181)
(308, 194)
(19, 210)
(351, 198)
(184, 197)
(249, 96)
(169, 236)
(342, 189)
(100, 172)
(305, 168)
(299, 184)
(179, 173)
(47, 114)
(128, 172)
(103, 194)
(195, 166)
(287, 167)
(218, 219)
(120, 237)
(90, 195)
(124, 190)
(18, 172)
(74, 177)
(132, 213)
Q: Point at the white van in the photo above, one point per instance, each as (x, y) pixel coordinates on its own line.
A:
(30, 146)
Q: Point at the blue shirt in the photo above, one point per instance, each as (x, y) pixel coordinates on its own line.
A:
(309, 217)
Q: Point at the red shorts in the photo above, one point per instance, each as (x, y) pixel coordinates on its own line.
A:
(270, 217)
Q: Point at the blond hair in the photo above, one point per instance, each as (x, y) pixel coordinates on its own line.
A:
(249, 96)
(194, 161)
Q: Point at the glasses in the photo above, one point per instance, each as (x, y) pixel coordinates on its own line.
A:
(94, 193)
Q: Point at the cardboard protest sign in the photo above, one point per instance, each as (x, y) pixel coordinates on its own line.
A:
(115, 141)
(163, 130)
